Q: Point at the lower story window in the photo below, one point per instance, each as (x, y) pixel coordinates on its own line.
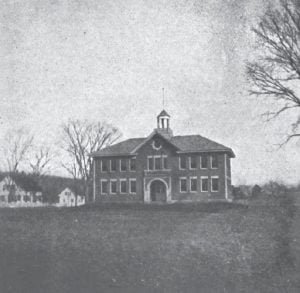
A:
(113, 186)
(183, 185)
(204, 184)
(132, 183)
(123, 186)
(103, 186)
(214, 184)
(193, 184)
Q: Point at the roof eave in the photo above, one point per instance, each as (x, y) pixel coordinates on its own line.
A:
(114, 155)
(209, 151)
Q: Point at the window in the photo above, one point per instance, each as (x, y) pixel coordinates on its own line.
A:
(193, 184)
(132, 183)
(104, 167)
(193, 162)
(132, 164)
(103, 186)
(150, 163)
(113, 165)
(157, 163)
(214, 184)
(204, 184)
(182, 162)
(123, 165)
(123, 185)
(203, 162)
(214, 162)
(183, 185)
(165, 162)
(113, 186)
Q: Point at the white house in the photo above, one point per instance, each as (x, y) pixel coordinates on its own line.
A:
(19, 189)
(67, 198)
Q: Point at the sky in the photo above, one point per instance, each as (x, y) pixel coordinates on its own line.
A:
(108, 61)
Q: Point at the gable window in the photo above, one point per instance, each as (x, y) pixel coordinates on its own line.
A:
(204, 184)
(104, 166)
(182, 163)
(113, 186)
(183, 185)
(103, 186)
(157, 163)
(113, 165)
(203, 162)
(123, 185)
(193, 184)
(132, 164)
(132, 185)
(193, 162)
(214, 183)
(214, 162)
(123, 165)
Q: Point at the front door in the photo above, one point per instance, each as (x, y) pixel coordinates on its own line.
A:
(158, 192)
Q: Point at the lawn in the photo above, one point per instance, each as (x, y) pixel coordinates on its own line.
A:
(153, 248)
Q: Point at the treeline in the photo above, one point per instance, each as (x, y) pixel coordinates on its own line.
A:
(76, 140)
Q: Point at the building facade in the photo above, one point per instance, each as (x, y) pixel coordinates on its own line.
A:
(68, 198)
(19, 188)
(162, 168)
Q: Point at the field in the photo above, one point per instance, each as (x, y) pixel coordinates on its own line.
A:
(212, 247)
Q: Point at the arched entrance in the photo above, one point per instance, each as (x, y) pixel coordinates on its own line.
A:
(158, 191)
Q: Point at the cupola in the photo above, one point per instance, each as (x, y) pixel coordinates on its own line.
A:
(163, 124)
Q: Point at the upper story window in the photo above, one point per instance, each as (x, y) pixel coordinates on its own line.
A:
(123, 165)
(157, 162)
(165, 162)
(193, 162)
(113, 165)
(182, 163)
(203, 162)
(214, 162)
(132, 164)
(104, 167)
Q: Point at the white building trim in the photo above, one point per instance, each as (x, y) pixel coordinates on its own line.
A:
(225, 172)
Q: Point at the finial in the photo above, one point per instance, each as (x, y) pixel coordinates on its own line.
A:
(163, 92)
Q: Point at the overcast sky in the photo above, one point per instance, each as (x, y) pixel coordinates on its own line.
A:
(108, 60)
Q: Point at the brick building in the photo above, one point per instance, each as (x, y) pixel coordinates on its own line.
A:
(162, 168)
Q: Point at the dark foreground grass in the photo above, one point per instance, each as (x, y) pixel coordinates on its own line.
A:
(213, 247)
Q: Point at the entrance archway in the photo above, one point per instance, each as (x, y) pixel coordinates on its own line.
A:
(158, 191)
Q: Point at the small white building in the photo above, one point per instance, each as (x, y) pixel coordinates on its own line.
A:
(19, 189)
(67, 198)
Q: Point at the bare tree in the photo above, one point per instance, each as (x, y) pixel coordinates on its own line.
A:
(16, 146)
(275, 75)
(80, 139)
(40, 160)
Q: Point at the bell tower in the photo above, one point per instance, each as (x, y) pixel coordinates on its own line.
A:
(163, 124)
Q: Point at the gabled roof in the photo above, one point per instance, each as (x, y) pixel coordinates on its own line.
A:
(184, 144)
(25, 181)
(163, 113)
